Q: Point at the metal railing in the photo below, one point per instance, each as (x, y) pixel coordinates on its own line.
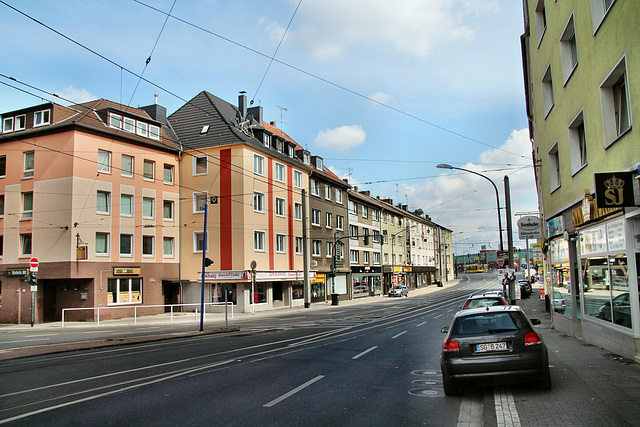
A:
(141, 307)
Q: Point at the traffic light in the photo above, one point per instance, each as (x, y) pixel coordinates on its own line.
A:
(366, 239)
(207, 262)
(31, 278)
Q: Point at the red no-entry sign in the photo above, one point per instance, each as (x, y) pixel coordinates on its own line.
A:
(33, 262)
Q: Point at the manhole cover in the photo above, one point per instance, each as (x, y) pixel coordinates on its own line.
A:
(423, 392)
(425, 373)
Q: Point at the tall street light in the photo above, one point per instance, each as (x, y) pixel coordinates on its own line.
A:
(446, 166)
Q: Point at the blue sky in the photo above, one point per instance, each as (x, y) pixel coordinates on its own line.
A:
(383, 91)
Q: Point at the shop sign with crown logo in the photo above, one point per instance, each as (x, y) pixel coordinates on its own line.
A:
(614, 189)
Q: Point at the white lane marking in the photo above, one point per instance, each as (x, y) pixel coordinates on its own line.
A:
(506, 412)
(44, 335)
(106, 331)
(292, 392)
(471, 412)
(396, 336)
(19, 341)
(420, 324)
(364, 352)
(439, 315)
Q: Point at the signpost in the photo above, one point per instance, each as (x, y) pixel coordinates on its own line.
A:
(33, 281)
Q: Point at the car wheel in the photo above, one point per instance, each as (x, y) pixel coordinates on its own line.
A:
(450, 389)
(545, 382)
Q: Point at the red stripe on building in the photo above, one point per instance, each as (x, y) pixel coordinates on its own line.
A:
(291, 239)
(270, 212)
(226, 212)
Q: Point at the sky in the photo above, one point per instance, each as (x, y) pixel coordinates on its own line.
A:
(382, 91)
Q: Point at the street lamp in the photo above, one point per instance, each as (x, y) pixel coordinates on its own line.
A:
(446, 166)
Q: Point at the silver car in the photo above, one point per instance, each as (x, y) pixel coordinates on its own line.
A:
(398, 291)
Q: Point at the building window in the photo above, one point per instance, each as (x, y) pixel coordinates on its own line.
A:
(554, 168)
(599, 10)
(147, 245)
(1, 254)
(547, 91)
(329, 252)
(115, 121)
(129, 125)
(198, 241)
(376, 258)
(328, 220)
(353, 208)
(297, 211)
(103, 202)
(297, 179)
(339, 222)
(20, 123)
(41, 118)
(365, 211)
(577, 144)
(3, 166)
(258, 164)
(259, 238)
(29, 158)
(353, 231)
(167, 210)
(354, 257)
(568, 50)
(1, 205)
(154, 132)
(27, 205)
(366, 257)
(298, 242)
(167, 247)
(279, 175)
(200, 165)
(25, 244)
(541, 20)
(315, 216)
(614, 98)
(148, 207)
(104, 161)
(168, 174)
(280, 206)
(126, 204)
(281, 243)
(338, 196)
(149, 172)
(327, 191)
(375, 214)
(316, 248)
(7, 125)
(199, 202)
(266, 139)
(313, 187)
(126, 244)
(102, 243)
(124, 291)
(127, 166)
(142, 129)
(258, 202)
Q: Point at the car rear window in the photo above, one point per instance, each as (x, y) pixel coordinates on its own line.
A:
(486, 323)
(483, 302)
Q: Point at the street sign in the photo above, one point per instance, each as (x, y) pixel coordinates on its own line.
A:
(33, 264)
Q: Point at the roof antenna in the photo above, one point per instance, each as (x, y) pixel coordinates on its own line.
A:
(282, 109)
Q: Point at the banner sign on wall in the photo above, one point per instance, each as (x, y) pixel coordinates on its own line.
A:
(614, 189)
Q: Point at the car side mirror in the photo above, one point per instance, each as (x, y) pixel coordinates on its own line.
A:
(445, 330)
(536, 321)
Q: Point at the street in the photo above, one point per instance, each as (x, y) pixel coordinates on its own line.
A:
(365, 364)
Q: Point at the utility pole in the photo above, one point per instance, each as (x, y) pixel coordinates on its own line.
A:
(507, 196)
(305, 251)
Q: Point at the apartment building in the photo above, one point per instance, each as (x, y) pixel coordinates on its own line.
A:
(582, 79)
(88, 190)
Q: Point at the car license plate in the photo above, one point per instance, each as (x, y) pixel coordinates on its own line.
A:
(492, 346)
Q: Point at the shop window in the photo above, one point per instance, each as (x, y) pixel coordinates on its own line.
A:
(124, 291)
(297, 290)
(218, 293)
(605, 285)
(259, 294)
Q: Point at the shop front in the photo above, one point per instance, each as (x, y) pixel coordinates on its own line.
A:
(366, 281)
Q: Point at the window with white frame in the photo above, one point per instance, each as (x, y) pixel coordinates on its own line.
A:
(599, 10)
(148, 207)
(577, 144)
(154, 132)
(554, 167)
(316, 248)
(124, 291)
(7, 125)
(198, 241)
(298, 243)
(29, 158)
(280, 206)
(353, 231)
(129, 125)
(142, 129)
(313, 187)
(280, 172)
(126, 168)
(167, 210)
(339, 222)
(614, 99)
(376, 258)
(547, 91)
(104, 161)
(376, 236)
(568, 49)
(1, 205)
(20, 123)
(327, 192)
(168, 244)
(366, 257)
(354, 257)
(375, 214)
(258, 164)
(329, 251)
(167, 176)
(115, 121)
(102, 243)
(365, 211)
(126, 204)
(541, 20)
(3, 166)
(126, 244)
(103, 202)
(281, 243)
(27, 205)
(338, 196)
(353, 208)
(297, 211)
(328, 220)
(199, 202)
(25, 244)
(41, 118)
(297, 179)
(200, 165)
(148, 243)
(266, 139)
(315, 216)
(258, 202)
(259, 238)
(149, 170)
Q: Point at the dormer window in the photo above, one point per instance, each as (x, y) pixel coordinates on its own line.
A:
(318, 163)
(306, 158)
(7, 125)
(115, 121)
(129, 125)
(266, 139)
(154, 132)
(290, 150)
(143, 129)
(41, 118)
(279, 146)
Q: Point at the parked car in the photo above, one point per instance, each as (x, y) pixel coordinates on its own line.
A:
(621, 310)
(494, 345)
(398, 291)
(525, 288)
(484, 300)
(559, 304)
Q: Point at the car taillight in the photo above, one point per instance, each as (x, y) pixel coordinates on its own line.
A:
(532, 338)
(450, 345)
(564, 304)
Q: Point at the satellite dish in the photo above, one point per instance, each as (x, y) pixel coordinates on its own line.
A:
(238, 116)
(250, 117)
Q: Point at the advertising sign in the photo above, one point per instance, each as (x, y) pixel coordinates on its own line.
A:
(530, 227)
(614, 189)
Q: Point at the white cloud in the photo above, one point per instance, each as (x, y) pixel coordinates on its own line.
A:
(381, 97)
(341, 138)
(76, 96)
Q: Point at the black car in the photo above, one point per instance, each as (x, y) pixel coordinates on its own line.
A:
(493, 345)
(525, 288)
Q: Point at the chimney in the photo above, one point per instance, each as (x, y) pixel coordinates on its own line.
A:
(242, 104)
(155, 99)
(257, 114)
(355, 188)
(156, 112)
